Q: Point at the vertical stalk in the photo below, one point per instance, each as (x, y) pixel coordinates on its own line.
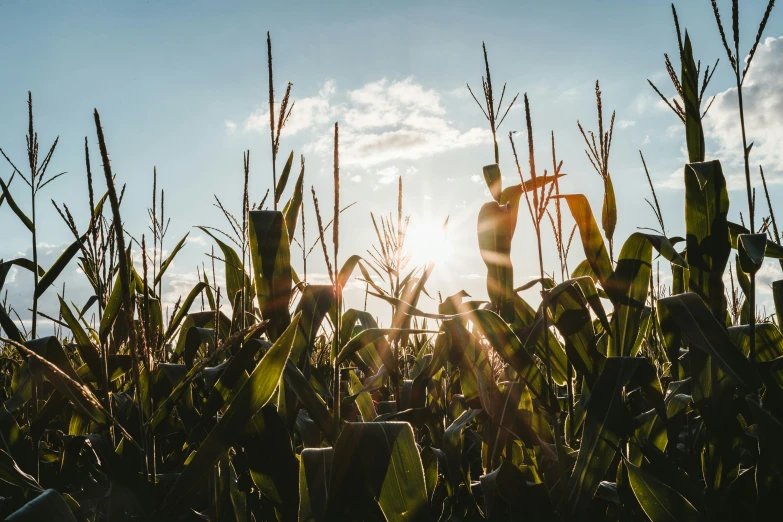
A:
(124, 280)
(751, 215)
(272, 116)
(35, 265)
(337, 288)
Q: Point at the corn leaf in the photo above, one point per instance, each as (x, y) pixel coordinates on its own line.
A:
(248, 401)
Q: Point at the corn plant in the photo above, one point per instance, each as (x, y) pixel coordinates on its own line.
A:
(609, 397)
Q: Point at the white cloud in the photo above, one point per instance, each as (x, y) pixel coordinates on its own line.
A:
(762, 94)
(646, 139)
(643, 102)
(675, 130)
(674, 181)
(770, 271)
(380, 122)
(231, 126)
(625, 123)
(459, 92)
(356, 179)
(306, 113)
(387, 175)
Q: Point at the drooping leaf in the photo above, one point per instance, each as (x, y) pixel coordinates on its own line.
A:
(315, 469)
(381, 459)
(235, 279)
(494, 180)
(592, 242)
(509, 496)
(660, 502)
(607, 420)
(26, 221)
(49, 505)
(693, 318)
(751, 251)
(511, 349)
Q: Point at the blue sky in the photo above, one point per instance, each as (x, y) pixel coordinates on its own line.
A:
(182, 86)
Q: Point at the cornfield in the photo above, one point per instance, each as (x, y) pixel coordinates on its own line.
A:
(615, 397)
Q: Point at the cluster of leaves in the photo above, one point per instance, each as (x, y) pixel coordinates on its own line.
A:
(610, 400)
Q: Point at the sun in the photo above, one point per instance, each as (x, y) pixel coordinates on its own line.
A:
(428, 241)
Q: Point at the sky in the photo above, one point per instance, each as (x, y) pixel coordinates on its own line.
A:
(182, 86)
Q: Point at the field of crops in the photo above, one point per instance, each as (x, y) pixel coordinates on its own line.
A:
(264, 397)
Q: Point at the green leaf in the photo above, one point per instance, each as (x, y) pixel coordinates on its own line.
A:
(571, 317)
(378, 459)
(666, 249)
(452, 446)
(49, 506)
(21, 262)
(777, 295)
(18, 211)
(772, 250)
(592, 242)
(47, 352)
(707, 239)
(609, 209)
(294, 205)
(628, 288)
(410, 298)
(704, 332)
(606, 422)
(273, 466)
(282, 181)
(248, 401)
(751, 251)
(510, 348)
(269, 249)
(659, 502)
(184, 308)
(494, 180)
(164, 266)
(12, 474)
(363, 399)
(311, 401)
(769, 341)
(314, 304)
(509, 496)
(9, 327)
(112, 309)
(49, 277)
(496, 225)
(315, 469)
(235, 278)
(694, 134)
(368, 336)
(84, 343)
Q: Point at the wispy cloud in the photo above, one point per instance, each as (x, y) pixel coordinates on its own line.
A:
(307, 113)
(380, 122)
(762, 94)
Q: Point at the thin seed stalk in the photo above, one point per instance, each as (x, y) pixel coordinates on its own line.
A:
(751, 213)
(337, 287)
